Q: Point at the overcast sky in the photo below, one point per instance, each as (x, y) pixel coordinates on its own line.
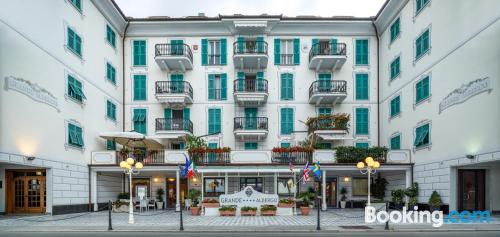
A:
(180, 8)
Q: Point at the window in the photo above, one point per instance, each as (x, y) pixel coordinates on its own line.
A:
(359, 186)
(286, 86)
(285, 145)
(324, 111)
(139, 53)
(362, 52)
(256, 183)
(284, 189)
(395, 68)
(419, 5)
(362, 121)
(139, 120)
(213, 52)
(325, 83)
(75, 90)
(110, 36)
(74, 42)
(286, 51)
(251, 145)
(422, 136)
(217, 86)
(422, 90)
(396, 142)
(111, 110)
(361, 86)
(75, 135)
(110, 73)
(362, 144)
(395, 108)
(286, 121)
(77, 4)
(395, 29)
(214, 121)
(110, 145)
(214, 186)
(422, 44)
(139, 87)
(325, 146)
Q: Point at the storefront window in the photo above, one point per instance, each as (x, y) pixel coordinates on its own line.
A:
(286, 187)
(214, 187)
(359, 186)
(256, 183)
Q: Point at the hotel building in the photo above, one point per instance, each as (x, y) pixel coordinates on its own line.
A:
(417, 78)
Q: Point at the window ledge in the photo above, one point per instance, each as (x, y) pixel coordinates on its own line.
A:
(391, 41)
(427, 52)
(395, 77)
(428, 99)
(422, 147)
(71, 98)
(79, 56)
(398, 115)
(75, 147)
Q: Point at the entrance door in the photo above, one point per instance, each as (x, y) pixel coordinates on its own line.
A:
(26, 192)
(331, 192)
(250, 118)
(172, 192)
(471, 189)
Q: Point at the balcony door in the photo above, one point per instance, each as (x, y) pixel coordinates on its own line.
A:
(177, 119)
(325, 82)
(250, 82)
(177, 47)
(471, 194)
(176, 84)
(250, 118)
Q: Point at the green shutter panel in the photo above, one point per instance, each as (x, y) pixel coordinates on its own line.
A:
(167, 113)
(186, 114)
(223, 48)
(426, 87)
(241, 43)
(315, 46)
(204, 51)
(362, 121)
(283, 121)
(277, 55)
(260, 44)
(211, 86)
(333, 45)
(241, 83)
(296, 51)
(210, 121)
(223, 82)
(260, 82)
(217, 120)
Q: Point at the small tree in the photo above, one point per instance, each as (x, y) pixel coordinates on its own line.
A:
(307, 198)
(159, 194)
(343, 192)
(412, 194)
(194, 194)
(435, 200)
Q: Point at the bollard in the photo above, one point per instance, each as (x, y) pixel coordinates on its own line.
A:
(318, 223)
(110, 226)
(181, 227)
(387, 210)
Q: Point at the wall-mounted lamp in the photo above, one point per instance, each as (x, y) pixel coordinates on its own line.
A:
(171, 179)
(194, 179)
(155, 180)
(30, 158)
(346, 179)
(470, 156)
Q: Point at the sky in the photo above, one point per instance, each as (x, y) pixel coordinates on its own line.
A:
(182, 8)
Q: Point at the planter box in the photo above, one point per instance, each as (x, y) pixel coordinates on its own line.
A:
(211, 205)
(268, 213)
(122, 208)
(285, 205)
(248, 213)
(227, 213)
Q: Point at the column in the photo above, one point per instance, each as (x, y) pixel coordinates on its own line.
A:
(177, 191)
(408, 179)
(226, 184)
(275, 183)
(323, 191)
(296, 185)
(93, 189)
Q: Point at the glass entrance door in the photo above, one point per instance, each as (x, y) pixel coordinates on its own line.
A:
(471, 189)
(331, 192)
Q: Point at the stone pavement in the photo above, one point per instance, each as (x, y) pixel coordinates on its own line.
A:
(332, 220)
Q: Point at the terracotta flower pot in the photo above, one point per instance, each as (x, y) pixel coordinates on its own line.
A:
(195, 211)
(227, 213)
(248, 213)
(268, 213)
(305, 211)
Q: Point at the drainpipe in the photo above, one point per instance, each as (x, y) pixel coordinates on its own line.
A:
(123, 75)
(378, 80)
(90, 190)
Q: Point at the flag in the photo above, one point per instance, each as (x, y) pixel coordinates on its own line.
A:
(305, 175)
(191, 170)
(186, 168)
(290, 165)
(317, 170)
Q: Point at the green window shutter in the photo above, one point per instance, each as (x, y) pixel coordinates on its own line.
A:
(315, 46)
(260, 81)
(422, 135)
(167, 113)
(324, 111)
(186, 114)
(139, 57)
(395, 68)
(420, 4)
(110, 145)
(211, 86)
(285, 145)
(395, 28)
(260, 44)
(204, 51)
(395, 106)
(296, 51)
(218, 121)
(422, 90)
(325, 82)
(223, 48)
(110, 110)
(241, 83)
(223, 85)
(212, 145)
(241, 44)
(277, 53)
(333, 45)
(287, 121)
(139, 87)
(214, 121)
(77, 4)
(75, 135)
(139, 120)
(286, 86)
(422, 44)
(74, 42)
(251, 146)
(177, 47)
(362, 121)
(79, 136)
(396, 142)
(110, 73)
(362, 144)
(110, 36)
(361, 52)
(361, 86)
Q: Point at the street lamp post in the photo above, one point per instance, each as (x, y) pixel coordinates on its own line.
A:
(370, 168)
(130, 167)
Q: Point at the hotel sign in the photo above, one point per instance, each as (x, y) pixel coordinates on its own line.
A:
(248, 197)
(33, 91)
(465, 92)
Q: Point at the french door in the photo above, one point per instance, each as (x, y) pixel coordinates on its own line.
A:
(29, 194)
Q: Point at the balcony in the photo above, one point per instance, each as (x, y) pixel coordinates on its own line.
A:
(295, 155)
(174, 57)
(173, 128)
(250, 92)
(250, 128)
(330, 127)
(327, 56)
(327, 92)
(174, 93)
(250, 54)
(211, 156)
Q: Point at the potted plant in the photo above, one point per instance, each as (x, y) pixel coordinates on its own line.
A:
(343, 198)
(227, 211)
(397, 198)
(286, 203)
(435, 201)
(124, 152)
(120, 206)
(412, 194)
(210, 202)
(248, 211)
(268, 210)
(307, 199)
(124, 197)
(159, 198)
(194, 194)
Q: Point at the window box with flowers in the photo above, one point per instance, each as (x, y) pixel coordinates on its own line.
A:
(295, 154)
(210, 203)
(268, 210)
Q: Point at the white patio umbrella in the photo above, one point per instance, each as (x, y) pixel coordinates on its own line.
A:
(132, 140)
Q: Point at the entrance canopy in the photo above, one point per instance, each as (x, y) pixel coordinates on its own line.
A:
(132, 139)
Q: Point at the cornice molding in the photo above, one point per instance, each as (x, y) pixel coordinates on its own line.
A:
(388, 13)
(112, 13)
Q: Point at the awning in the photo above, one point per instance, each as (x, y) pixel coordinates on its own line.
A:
(132, 139)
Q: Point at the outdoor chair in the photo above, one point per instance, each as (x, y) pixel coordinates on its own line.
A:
(187, 204)
(151, 204)
(143, 203)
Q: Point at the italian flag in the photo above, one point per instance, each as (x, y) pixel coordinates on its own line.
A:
(191, 170)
